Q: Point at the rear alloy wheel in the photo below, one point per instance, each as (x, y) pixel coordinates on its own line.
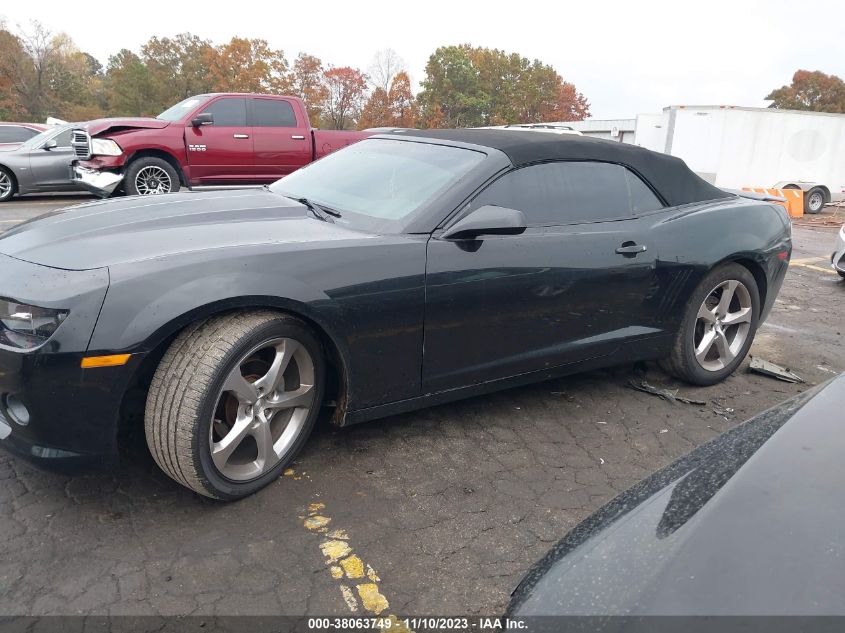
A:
(151, 176)
(814, 201)
(7, 185)
(718, 327)
(233, 401)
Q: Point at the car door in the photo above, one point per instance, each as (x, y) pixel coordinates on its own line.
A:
(573, 286)
(281, 138)
(221, 151)
(49, 164)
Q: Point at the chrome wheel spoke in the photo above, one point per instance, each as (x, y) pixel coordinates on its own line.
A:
(743, 315)
(264, 440)
(302, 397)
(222, 450)
(240, 387)
(728, 290)
(704, 346)
(726, 355)
(270, 381)
(706, 314)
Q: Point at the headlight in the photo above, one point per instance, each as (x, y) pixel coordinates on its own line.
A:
(105, 147)
(26, 327)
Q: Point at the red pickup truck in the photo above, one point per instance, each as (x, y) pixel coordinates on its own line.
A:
(210, 139)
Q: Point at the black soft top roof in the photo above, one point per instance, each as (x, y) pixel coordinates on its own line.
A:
(669, 175)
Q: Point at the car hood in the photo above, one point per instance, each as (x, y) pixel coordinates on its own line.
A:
(9, 147)
(748, 524)
(109, 232)
(101, 126)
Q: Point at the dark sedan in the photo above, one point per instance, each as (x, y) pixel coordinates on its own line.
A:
(749, 524)
(410, 269)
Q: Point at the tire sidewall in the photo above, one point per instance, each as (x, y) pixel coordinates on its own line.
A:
(137, 165)
(14, 188)
(220, 486)
(709, 283)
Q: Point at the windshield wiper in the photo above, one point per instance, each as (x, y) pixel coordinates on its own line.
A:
(318, 209)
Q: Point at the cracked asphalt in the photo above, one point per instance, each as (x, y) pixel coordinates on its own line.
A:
(449, 505)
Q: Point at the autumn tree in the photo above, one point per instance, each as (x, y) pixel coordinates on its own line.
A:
(306, 81)
(394, 108)
(15, 68)
(346, 93)
(247, 65)
(811, 90)
(128, 82)
(178, 67)
(466, 86)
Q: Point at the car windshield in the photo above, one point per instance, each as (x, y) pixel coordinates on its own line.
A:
(379, 181)
(176, 112)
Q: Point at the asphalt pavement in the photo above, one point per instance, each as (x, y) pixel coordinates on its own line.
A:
(444, 508)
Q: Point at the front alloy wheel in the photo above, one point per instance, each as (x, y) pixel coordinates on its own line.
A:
(233, 401)
(7, 185)
(264, 404)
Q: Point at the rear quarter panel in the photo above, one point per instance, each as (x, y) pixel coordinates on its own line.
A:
(693, 239)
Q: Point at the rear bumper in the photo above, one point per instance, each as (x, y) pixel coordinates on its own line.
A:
(100, 183)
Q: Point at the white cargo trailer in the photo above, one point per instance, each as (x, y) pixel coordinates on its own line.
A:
(734, 147)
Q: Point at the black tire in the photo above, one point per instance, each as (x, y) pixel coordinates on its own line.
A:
(814, 201)
(11, 186)
(186, 392)
(152, 164)
(682, 362)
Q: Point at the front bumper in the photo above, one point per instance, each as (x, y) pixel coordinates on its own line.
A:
(100, 183)
(72, 413)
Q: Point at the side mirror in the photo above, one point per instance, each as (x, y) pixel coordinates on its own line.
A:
(204, 118)
(487, 220)
(51, 144)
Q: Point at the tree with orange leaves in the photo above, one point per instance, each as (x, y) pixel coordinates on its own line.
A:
(346, 93)
(247, 65)
(306, 82)
(811, 90)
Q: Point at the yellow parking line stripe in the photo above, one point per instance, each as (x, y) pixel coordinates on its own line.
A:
(811, 267)
(343, 564)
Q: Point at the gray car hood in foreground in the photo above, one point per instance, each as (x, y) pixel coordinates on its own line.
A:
(748, 524)
(121, 230)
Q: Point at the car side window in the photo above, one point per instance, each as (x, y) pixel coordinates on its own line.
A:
(228, 112)
(15, 134)
(272, 113)
(562, 193)
(643, 199)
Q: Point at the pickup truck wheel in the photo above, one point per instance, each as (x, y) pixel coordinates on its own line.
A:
(233, 401)
(814, 201)
(149, 176)
(7, 185)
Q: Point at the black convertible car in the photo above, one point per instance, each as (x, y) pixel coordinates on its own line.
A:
(409, 269)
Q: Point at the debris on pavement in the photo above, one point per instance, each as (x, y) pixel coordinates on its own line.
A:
(765, 368)
(666, 394)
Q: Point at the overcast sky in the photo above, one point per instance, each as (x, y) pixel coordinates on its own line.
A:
(626, 57)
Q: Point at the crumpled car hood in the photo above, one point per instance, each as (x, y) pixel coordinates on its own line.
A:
(123, 230)
(101, 126)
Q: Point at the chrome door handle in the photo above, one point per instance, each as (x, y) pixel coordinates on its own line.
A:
(240, 135)
(298, 137)
(629, 248)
